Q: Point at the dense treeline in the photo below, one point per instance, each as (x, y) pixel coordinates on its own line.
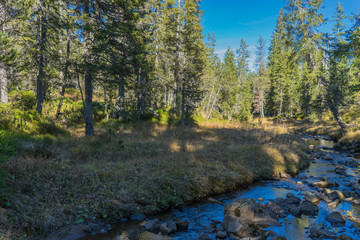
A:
(145, 57)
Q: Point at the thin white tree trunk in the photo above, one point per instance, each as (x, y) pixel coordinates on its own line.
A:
(3, 74)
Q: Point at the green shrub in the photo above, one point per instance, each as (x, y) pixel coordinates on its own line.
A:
(24, 100)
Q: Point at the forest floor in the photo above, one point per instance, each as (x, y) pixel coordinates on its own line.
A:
(58, 182)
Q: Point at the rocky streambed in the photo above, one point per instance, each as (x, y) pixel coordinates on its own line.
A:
(322, 202)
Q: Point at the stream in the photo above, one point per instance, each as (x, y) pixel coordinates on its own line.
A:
(201, 216)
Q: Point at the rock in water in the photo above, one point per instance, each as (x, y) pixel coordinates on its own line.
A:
(305, 208)
(322, 234)
(168, 228)
(336, 219)
(312, 198)
(231, 225)
(182, 226)
(153, 225)
(221, 234)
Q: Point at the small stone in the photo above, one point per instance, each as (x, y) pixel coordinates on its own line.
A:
(152, 225)
(221, 234)
(284, 175)
(172, 226)
(234, 227)
(312, 198)
(182, 226)
(213, 200)
(292, 200)
(290, 195)
(168, 228)
(334, 204)
(335, 195)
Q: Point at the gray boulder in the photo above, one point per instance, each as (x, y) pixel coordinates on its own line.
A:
(153, 225)
(336, 219)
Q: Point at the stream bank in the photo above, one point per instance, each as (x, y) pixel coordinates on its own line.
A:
(321, 202)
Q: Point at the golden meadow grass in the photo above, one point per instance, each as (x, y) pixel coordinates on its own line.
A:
(143, 168)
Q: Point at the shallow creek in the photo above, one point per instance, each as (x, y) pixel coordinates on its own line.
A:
(202, 215)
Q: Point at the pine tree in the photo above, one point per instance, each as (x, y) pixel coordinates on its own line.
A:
(211, 79)
(303, 18)
(260, 84)
(229, 84)
(244, 94)
(338, 81)
(194, 58)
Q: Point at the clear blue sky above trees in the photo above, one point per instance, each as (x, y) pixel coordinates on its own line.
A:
(232, 20)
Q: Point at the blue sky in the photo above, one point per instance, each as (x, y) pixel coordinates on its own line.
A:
(232, 20)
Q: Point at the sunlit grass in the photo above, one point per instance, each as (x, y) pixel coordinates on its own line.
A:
(145, 168)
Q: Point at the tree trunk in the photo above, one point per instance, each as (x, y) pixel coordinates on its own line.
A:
(281, 102)
(106, 104)
(3, 84)
(338, 118)
(209, 101)
(41, 41)
(177, 63)
(261, 105)
(307, 111)
(119, 111)
(183, 104)
(62, 93)
(3, 74)
(80, 89)
(213, 104)
(65, 72)
(88, 111)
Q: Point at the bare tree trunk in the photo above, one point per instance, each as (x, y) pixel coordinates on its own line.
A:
(80, 89)
(209, 101)
(213, 104)
(183, 104)
(62, 94)
(281, 102)
(106, 105)
(65, 72)
(88, 111)
(177, 63)
(3, 84)
(119, 111)
(307, 111)
(338, 118)
(3, 74)
(261, 104)
(41, 41)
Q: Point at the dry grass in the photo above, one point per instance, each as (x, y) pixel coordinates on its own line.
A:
(351, 136)
(146, 168)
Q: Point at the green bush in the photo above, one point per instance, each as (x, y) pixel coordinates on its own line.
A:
(24, 100)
